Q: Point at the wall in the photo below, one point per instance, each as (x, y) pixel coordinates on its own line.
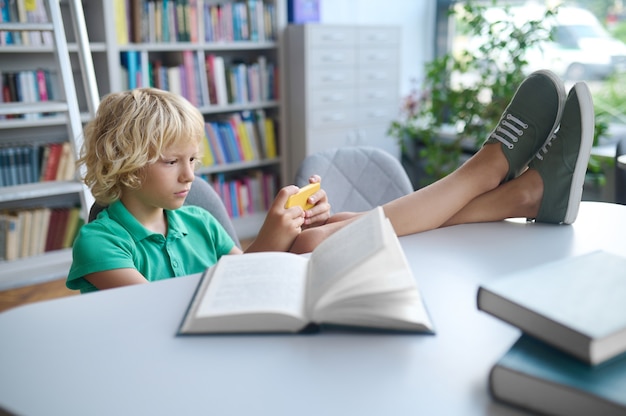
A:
(416, 17)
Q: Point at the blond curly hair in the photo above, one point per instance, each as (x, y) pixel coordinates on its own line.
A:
(130, 131)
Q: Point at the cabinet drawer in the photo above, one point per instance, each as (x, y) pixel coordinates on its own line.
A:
(377, 114)
(380, 75)
(323, 58)
(333, 118)
(379, 35)
(338, 97)
(333, 36)
(387, 93)
(324, 78)
(378, 56)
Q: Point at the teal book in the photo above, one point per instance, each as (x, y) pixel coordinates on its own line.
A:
(535, 376)
(576, 304)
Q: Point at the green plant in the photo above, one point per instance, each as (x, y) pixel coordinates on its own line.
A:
(466, 91)
(610, 107)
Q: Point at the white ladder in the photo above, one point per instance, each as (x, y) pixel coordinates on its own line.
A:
(70, 103)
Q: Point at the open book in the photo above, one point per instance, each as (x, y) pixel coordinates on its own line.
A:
(357, 277)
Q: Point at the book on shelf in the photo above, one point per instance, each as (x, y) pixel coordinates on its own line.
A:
(230, 150)
(121, 21)
(191, 72)
(136, 19)
(22, 18)
(11, 232)
(50, 164)
(214, 141)
(55, 216)
(131, 69)
(253, 192)
(73, 223)
(66, 167)
(39, 230)
(216, 72)
(575, 304)
(538, 377)
(357, 278)
(270, 139)
(25, 218)
(208, 157)
(57, 234)
(6, 36)
(3, 237)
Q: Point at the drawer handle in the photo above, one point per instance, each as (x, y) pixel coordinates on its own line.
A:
(377, 76)
(334, 36)
(333, 98)
(334, 117)
(333, 77)
(377, 57)
(333, 58)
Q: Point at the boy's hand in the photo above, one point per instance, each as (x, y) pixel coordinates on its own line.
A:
(281, 226)
(320, 213)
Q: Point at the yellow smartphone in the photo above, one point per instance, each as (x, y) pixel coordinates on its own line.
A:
(301, 197)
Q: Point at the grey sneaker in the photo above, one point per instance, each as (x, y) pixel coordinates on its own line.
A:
(529, 120)
(562, 162)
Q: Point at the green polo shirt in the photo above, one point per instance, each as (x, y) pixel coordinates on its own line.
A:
(115, 240)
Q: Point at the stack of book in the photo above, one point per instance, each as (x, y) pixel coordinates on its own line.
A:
(571, 358)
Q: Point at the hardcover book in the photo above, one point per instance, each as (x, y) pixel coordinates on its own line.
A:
(576, 304)
(538, 377)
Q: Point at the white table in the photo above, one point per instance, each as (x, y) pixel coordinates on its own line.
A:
(116, 353)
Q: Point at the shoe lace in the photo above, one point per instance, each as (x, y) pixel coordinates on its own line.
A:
(510, 128)
(545, 148)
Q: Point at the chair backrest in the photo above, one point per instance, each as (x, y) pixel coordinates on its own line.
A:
(203, 195)
(620, 174)
(356, 178)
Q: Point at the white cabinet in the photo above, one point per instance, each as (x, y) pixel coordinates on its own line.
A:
(342, 87)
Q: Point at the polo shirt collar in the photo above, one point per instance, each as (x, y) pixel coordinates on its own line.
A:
(118, 212)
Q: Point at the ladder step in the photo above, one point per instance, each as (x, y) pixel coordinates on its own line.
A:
(38, 107)
(26, 27)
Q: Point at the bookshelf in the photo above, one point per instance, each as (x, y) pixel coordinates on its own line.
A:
(143, 49)
(44, 105)
(109, 54)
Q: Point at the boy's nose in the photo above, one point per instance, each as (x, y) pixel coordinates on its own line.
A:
(188, 174)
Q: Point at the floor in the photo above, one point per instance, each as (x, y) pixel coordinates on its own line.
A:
(35, 293)
(49, 290)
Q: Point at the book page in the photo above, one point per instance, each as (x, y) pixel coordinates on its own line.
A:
(256, 282)
(343, 251)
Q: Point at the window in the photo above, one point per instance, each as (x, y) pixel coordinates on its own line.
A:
(588, 43)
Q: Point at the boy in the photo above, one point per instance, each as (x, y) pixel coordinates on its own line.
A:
(140, 154)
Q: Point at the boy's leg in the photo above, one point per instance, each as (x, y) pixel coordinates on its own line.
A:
(551, 189)
(525, 126)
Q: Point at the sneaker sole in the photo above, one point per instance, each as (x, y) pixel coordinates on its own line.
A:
(585, 102)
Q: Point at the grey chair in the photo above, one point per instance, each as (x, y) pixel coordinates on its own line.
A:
(356, 178)
(203, 195)
(620, 174)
